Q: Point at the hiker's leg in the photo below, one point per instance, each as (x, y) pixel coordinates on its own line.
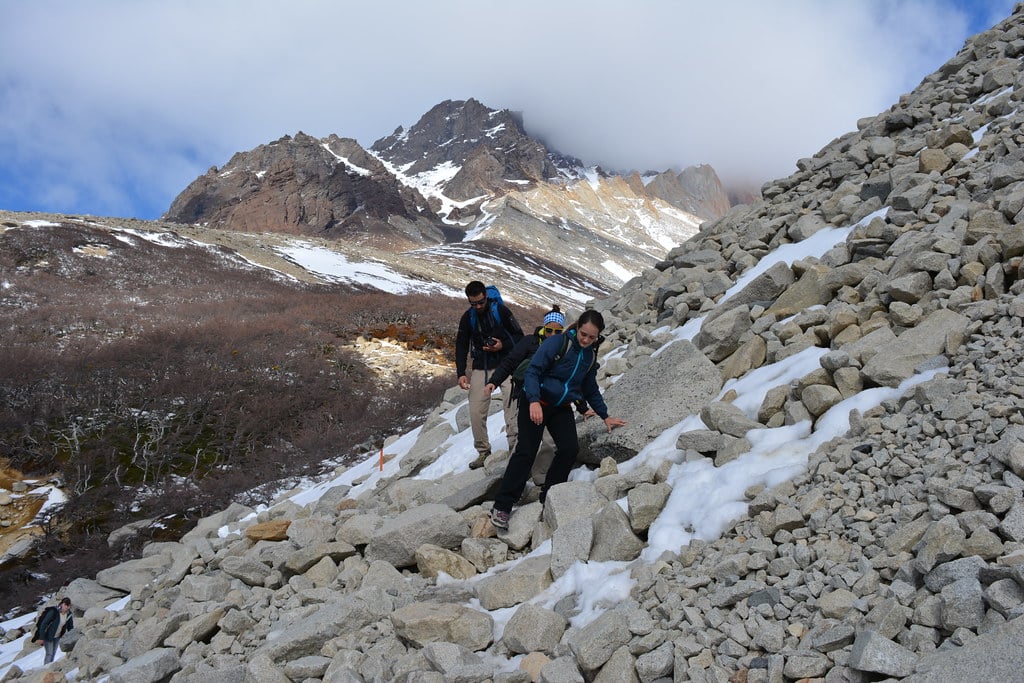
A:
(50, 646)
(543, 460)
(562, 425)
(479, 405)
(518, 469)
(511, 408)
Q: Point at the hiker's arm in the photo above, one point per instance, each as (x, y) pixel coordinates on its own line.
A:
(509, 364)
(462, 342)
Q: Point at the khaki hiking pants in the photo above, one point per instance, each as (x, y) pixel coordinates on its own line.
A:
(479, 408)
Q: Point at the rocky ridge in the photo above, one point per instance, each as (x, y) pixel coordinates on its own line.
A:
(464, 176)
(898, 554)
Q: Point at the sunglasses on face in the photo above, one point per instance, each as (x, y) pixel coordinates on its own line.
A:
(551, 330)
(478, 303)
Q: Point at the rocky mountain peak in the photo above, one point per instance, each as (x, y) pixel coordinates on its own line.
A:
(489, 147)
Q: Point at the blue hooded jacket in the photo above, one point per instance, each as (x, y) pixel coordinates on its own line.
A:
(570, 378)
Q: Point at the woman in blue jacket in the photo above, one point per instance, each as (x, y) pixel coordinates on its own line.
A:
(563, 371)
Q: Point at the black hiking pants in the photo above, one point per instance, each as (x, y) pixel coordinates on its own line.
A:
(561, 424)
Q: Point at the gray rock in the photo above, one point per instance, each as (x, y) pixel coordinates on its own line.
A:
(248, 570)
(484, 553)
(425, 622)
(963, 604)
(533, 629)
(876, 654)
(645, 502)
(516, 585)
(719, 336)
(571, 542)
(613, 538)
(305, 557)
(940, 332)
(594, 643)
(995, 657)
(651, 396)
(396, 541)
(85, 593)
(150, 667)
(570, 501)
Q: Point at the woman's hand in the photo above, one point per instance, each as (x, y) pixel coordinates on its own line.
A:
(464, 382)
(489, 388)
(537, 413)
(613, 422)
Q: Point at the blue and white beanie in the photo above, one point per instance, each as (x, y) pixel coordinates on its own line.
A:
(554, 317)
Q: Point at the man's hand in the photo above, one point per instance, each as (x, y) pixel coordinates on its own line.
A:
(464, 382)
(536, 413)
(489, 388)
(613, 422)
(495, 346)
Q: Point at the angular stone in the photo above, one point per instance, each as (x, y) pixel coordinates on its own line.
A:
(534, 629)
(594, 643)
(431, 560)
(818, 398)
(305, 557)
(645, 502)
(650, 397)
(614, 540)
(150, 667)
(940, 332)
(517, 585)
(396, 541)
(484, 553)
(274, 530)
(427, 622)
(250, 571)
(963, 604)
(571, 542)
(877, 654)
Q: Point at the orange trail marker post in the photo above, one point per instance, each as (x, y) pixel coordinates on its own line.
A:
(381, 458)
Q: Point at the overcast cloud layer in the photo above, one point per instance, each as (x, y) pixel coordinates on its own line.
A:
(112, 107)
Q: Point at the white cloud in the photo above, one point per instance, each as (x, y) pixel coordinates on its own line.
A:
(118, 104)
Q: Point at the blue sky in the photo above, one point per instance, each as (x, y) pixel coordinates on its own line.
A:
(112, 107)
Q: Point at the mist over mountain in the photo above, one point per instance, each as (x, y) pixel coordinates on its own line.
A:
(463, 185)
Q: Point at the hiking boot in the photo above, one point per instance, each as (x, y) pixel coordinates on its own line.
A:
(499, 518)
(479, 462)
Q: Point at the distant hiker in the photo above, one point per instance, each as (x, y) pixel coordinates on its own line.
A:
(487, 332)
(53, 623)
(563, 370)
(514, 367)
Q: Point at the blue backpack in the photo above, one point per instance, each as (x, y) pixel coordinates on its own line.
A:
(494, 297)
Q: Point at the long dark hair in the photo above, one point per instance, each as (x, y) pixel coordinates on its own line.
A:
(590, 316)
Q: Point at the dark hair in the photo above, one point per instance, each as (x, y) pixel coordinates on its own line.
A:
(554, 309)
(475, 288)
(590, 316)
(65, 601)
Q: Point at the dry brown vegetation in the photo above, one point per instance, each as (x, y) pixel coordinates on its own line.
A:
(170, 384)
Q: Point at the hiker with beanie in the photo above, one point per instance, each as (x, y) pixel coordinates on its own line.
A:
(562, 371)
(488, 331)
(514, 366)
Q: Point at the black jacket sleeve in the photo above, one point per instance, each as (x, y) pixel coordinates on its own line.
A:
(511, 325)
(525, 347)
